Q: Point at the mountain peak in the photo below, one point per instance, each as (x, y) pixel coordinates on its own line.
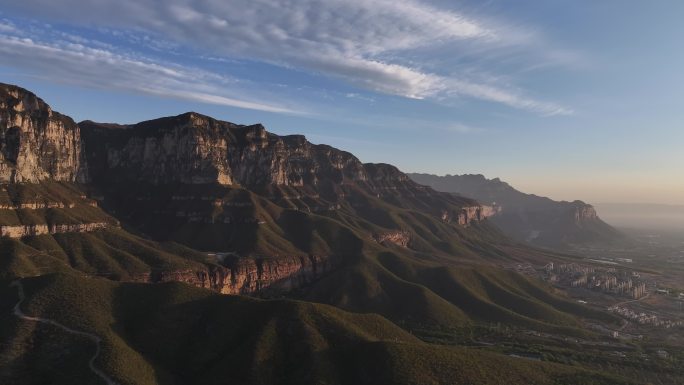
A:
(37, 144)
(20, 100)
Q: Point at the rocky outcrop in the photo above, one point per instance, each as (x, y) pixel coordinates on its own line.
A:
(20, 231)
(36, 143)
(583, 212)
(249, 275)
(399, 238)
(78, 228)
(471, 214)
(466, 215)
(39, 205)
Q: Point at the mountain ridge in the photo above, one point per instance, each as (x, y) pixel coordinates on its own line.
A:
(120, 165)
(528, 217)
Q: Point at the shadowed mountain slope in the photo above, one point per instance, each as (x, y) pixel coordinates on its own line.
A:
(176, 334)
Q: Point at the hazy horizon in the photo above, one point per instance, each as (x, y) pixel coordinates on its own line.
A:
(559, 104)
(641, 216)
(535, 188)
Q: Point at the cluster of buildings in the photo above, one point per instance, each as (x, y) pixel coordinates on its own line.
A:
(607, 280)
(615, 281)
(643, 318)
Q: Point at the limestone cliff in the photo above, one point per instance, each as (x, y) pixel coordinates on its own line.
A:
(399, 238)
(195, 149)
(248, 275)
(20, 231)
(583, 212)
(36, 143)
(469, 214)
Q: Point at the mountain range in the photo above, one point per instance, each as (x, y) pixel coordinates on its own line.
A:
(345, 272)
(528, 217)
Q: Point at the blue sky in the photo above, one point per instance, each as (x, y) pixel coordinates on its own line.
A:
(566, 98)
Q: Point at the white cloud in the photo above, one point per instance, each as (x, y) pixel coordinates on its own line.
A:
(7, 26)
(510, 98)
(459, 128)
(80, 64)
(350, 40)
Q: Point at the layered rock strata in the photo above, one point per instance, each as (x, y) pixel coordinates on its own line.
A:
(249, 275)
(470, 214)
(195, 149)
(583, 212)
(399, 238)
(20, 231)
(36, 143)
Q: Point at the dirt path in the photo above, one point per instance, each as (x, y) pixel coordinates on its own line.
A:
(97, 340)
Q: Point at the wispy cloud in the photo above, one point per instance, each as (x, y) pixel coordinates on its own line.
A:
(7, 26)
(84, 65)
(459, 128)
(362, 42)
(507, 97)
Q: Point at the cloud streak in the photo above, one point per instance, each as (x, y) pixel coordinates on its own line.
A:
(84, 65)
(361, 42)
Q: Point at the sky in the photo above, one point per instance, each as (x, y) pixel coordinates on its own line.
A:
(572, 99)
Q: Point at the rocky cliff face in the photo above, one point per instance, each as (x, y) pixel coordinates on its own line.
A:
(33, 209)
(583, 212)
(469, 214)
(36, 143)
(20, 231)
(249, 275)
(195, 149)
(399, 238)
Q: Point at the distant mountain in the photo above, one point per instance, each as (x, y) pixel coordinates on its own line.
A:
(528, 217)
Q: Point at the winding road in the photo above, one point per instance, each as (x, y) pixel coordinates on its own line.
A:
(97, 340)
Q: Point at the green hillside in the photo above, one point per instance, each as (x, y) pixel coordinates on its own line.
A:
(447, 276)
(175, 334)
